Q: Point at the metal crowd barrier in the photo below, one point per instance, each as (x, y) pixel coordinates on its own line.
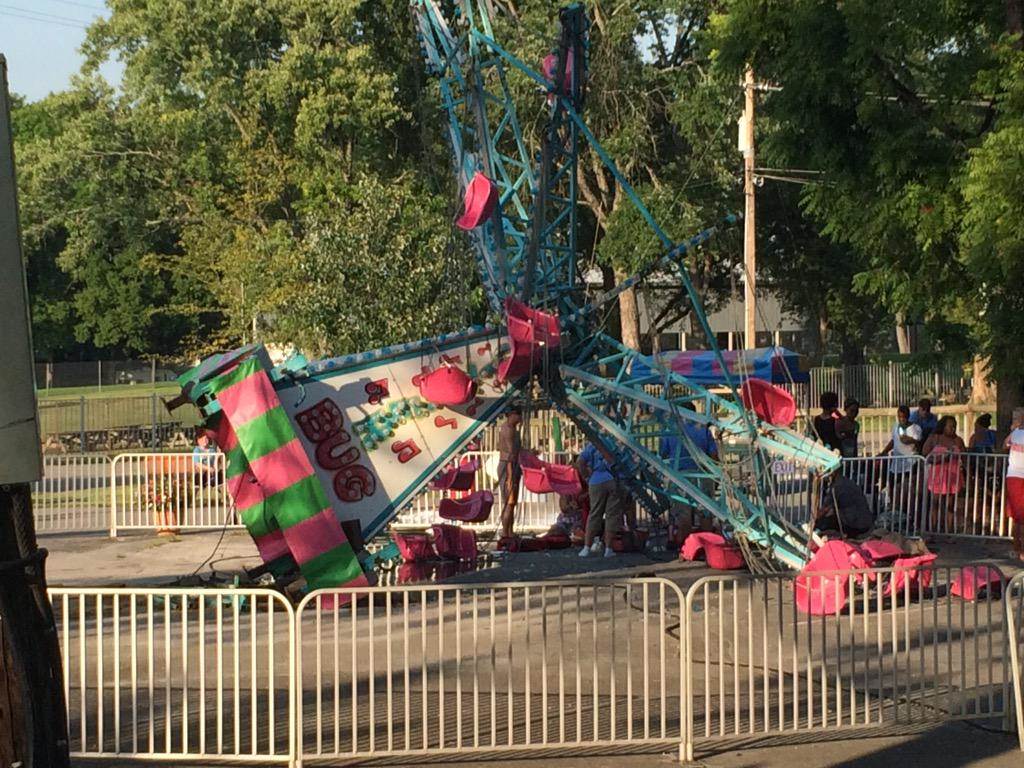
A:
(954, 495)
(760, 668)
(178, 673)
(1015, 635)
(175, 491)
(74, 494)
(430, 670)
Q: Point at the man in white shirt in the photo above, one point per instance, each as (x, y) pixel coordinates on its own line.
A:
(1015, 480)
(904, 481)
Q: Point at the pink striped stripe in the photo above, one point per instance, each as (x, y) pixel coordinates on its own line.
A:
(225, 436)
(272, 546)
(314, 536)
(245, 491)
(282, 467)
(244, 401)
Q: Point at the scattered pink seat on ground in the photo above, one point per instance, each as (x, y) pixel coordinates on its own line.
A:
(447, 386)
(458, 478)
(481, 197)
(475, 508)
(911, 573)
(723, 556)
(818, 589)
(414, 547)
(973, 580)
(694, 546)
(877, 550)
(454, 543)
(771, 403)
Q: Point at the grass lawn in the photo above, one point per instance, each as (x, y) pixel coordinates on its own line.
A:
(164, 388)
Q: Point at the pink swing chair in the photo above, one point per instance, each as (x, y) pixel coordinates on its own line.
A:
(458, 478)
(545, 477)
(975, 581)
(447, 386)
(529, 331)
(475, 508)
(481, 197)
(772, 404)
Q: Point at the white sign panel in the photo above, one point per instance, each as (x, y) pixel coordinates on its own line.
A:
(372, 437)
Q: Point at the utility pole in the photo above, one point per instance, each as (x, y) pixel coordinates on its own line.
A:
(33, 717)
(746, 145)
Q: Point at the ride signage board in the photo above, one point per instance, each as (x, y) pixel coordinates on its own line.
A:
(374, 440)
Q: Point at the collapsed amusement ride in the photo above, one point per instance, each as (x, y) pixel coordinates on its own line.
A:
(323, 455)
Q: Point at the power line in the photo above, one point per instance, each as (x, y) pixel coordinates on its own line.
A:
(19, 9)
(43, 21)
(97, 8)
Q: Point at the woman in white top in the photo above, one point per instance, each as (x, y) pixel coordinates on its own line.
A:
(1015, 480)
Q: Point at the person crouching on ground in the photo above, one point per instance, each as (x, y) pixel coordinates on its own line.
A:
(844, 510)
(1014, 443)
(605, 502)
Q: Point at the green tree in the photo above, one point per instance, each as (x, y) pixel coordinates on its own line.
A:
(895, 104)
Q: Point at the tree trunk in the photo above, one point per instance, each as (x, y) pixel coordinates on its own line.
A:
(1008, 397)
(629, 317)
(904, 340)
(983, 389)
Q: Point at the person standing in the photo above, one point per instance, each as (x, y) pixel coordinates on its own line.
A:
(689, 517)
(510, 443)
(924, 418)
(825, 422)
(906, 437)
(942, 451)
(848, 429)
(1014, 443)
(605, 502)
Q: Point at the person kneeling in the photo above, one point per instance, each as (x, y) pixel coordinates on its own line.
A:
(844, 511)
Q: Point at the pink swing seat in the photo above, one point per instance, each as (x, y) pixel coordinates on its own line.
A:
(696, 543)
(454, 543)
(910, 573)
(818, 589)
(973, 581)
(481, 197)
(458, 478)
(447, 386)
(529, 331)
(475, 508)
(414, 547)
(544, 477)
(772, 404)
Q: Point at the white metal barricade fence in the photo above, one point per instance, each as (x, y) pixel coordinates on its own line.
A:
(758, 667)
(74, 494)
(1015, 634)
(178, 673)
(945, 494)
(175, 491)
(489, 668)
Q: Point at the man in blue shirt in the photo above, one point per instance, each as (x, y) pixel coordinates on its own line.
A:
(924, 418)
(605, 501)
(677, 453)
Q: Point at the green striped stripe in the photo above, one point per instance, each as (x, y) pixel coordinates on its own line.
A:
(259, 520)
(298, 501)
(266, 433)
(243, 371)
(237, 462)
(333, 568)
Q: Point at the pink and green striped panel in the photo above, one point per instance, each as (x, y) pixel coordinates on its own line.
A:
(278, 485)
